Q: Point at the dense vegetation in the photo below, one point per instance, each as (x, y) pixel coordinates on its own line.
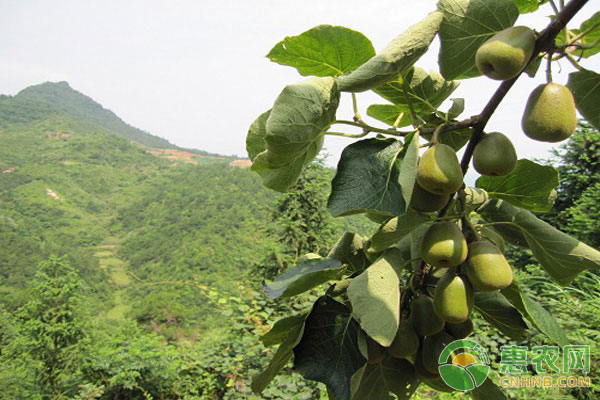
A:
(118, 268)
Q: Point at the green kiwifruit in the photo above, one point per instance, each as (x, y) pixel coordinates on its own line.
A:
(453, 298)
(550, 113)
(406, 341)
(424, 201)
(444, 245)
(432, 348)
(439, 170)
(460, 330)
(487, 269)
(423, 317)
(506, 53)
(495, 155)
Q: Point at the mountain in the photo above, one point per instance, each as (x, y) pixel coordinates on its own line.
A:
(76, 180)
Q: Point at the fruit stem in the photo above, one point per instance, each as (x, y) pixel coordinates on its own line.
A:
(357, 117)
(549, 68)
(574, 62)
(367, 129)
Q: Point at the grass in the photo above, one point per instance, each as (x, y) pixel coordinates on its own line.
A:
(102, 254)
(120, 277)
(118, 312)
(111, 262)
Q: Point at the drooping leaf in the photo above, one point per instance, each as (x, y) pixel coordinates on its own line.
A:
(425, 91)
(530, 186)
(377, 381)
(562, 256)
(375, 298)
(395, 229)
(367, 179)
(283, 355)
(255, 140)
(488, 391)
(496, 310)
(396, 58)
(407, 164)
(457, 107)
(324, 50)
(535, 313)
(281, 329)
(328, 351)
(467, 24)
(585, 86)
(303, 277)
(294, 130)
(349, 249)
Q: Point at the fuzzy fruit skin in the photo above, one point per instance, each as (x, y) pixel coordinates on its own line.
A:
(432, 348)
(550, 114)
(453, 298)
(406, 341)
(444, 245)
(423, 318)
(439, 170)
(494, 155)
(460, 330)
(487, 269)
(506, 53)
(425, 201)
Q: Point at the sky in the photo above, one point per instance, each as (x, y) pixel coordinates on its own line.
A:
(195, 72)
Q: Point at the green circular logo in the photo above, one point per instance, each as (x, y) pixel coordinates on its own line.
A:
(464, 365)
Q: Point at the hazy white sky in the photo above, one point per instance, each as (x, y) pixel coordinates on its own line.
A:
(194, 72)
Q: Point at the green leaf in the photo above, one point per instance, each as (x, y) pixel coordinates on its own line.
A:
(375, 298)
(530, 186)
(293, 131)
(407, 164)
(389, 114)
(536, 314)
(457, 107)
(324, 50)
(467, 24)
(255, 140)
(328, 351)
(585, 86)
(349, 249)
(528, 6)
(496, 310)
(279, 360)
(303, 277)
(396, 58)
(562, 256)
(426, 91)
(367, 179)
(395, 229)
(591, 39)
(376, 381)
(281, 329)
(488, 391)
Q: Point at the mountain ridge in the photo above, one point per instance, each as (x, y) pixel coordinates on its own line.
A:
(38, 102)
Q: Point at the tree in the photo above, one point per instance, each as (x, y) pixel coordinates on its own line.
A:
(382, 282)
(51, 326)
(576, 205)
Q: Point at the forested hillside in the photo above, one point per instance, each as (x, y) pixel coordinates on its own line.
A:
(152, 246)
